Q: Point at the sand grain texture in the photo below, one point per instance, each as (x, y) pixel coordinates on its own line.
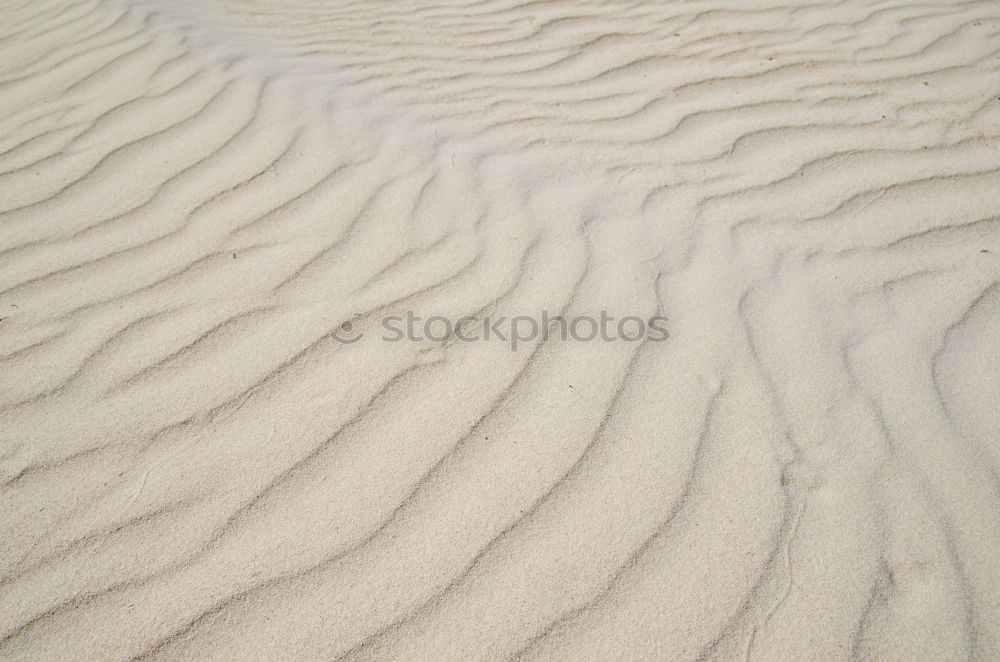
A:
(195, 197)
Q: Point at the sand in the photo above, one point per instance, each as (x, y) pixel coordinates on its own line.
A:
(209, 450)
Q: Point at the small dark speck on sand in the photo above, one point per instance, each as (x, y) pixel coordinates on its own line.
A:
(234, 256)
(985, 250)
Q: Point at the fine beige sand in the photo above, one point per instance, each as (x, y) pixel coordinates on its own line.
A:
(208, 452)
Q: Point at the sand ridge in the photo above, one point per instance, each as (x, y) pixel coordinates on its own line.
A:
(195, 199)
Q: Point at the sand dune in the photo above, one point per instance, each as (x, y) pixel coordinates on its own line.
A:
(208, 211)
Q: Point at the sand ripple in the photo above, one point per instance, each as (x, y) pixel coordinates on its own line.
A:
(196, 197)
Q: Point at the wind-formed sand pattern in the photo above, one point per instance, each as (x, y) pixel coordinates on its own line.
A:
(196, 199)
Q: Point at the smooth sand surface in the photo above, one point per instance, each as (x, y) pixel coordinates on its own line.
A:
(199, 198)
